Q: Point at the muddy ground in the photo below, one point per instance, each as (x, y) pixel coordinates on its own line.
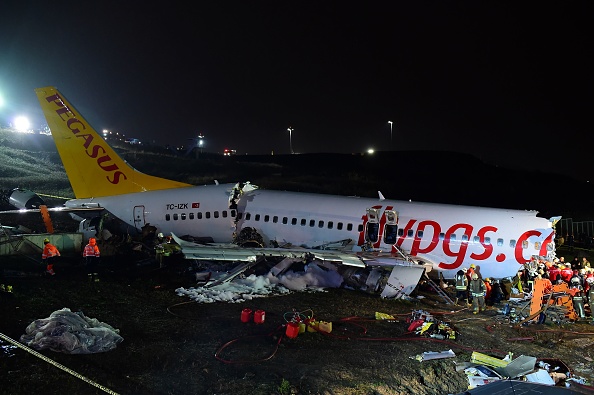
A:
(175, 346)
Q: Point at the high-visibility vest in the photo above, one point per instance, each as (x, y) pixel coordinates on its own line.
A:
(49, 251)
(91, 250)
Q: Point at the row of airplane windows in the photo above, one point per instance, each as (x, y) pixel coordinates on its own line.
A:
(372, 233)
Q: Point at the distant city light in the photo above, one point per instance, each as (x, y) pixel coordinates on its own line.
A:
(21, 123)
(370, 151)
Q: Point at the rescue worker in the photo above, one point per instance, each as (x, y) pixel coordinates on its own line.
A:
(590, 281)
(554, 273)
(91, 254)
(160, 249)
(488, 291)
(497, 294)
(469, 274)
(461, 287)
(578, 296)
(49, 255)
(477, 289)
(566, 273)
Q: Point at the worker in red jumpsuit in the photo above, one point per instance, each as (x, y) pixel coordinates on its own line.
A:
(566, 273)
(49, 255)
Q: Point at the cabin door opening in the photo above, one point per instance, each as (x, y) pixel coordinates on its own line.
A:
(139, 217)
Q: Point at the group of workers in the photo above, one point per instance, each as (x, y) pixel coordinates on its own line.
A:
(90, 253)
(476, 291)
(164, 247)
(577, 274)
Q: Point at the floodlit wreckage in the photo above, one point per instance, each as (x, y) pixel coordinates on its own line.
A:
(489, 374)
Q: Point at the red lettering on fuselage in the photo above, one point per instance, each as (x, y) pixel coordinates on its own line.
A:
(457, 249)
(92, 150)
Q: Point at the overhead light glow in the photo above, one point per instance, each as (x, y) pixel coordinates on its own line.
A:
(22, 123)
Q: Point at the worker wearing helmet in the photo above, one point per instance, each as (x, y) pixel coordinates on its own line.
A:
(488, 289)
(469, 273)
(477, 290)
(91, 254)
(49, 255)
(577, 291)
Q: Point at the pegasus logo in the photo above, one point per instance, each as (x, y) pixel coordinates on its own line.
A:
(94, 150)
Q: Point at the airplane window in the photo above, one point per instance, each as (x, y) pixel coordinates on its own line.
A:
(175, 217)
(525, 244)
(294, 221)
(321, 224)
(349, 227)
(550, 247)
(487, 240)
(312, 222)
(257, 217)
(339, 226)
(303, 221)
(216, 214)
(266, 218)
(476, 239)
(275, 219)
(537, 245)
(191, 215)
(400, 232)
(390, 234)
(359, 228)
(199, 215)
(183, 216)
(330, 224)
(441, 236)
(499, 242)
(420, 234)
(285, 220)
(410, 233)
(167, 217)
(233, 213)
(248, 216)
(224, 214)
(207, 214)
(512, 244)
(464, 237)
(452, 237)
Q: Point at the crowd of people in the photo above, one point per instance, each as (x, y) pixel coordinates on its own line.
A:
(578, 274)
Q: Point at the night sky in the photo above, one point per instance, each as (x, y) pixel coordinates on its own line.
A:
(509, 82)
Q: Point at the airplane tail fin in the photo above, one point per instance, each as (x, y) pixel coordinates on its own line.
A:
(93, 167)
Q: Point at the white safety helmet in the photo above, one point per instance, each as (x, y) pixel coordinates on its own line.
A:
(160, 235)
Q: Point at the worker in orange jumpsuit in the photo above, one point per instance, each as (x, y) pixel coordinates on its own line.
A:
(91, 254)
(49, 255)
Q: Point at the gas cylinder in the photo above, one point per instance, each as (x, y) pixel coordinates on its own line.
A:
(246, 315)
(259, 316)
(292, 330)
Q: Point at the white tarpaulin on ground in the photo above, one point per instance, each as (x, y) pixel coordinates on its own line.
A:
(71, 333)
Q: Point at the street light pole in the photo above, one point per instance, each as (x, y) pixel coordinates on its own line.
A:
(290, 129)
(391, 145)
